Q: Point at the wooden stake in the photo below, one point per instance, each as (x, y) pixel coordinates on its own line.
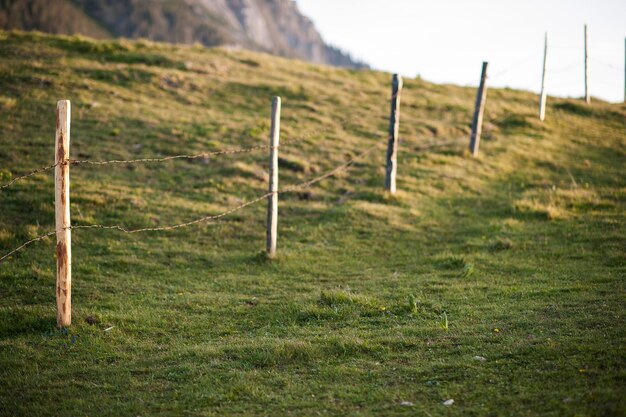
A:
(544, 94)
(272, 200)
(394, 130)
(477, 123)
(587, 95)
(62, 215)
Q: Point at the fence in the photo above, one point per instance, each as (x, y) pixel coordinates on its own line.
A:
(63, 162)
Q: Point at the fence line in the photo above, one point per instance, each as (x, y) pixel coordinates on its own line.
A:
(290, 189)
(205, 219)
(63, 162)
(74, 162)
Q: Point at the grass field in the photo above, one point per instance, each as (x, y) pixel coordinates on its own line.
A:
(498, 282)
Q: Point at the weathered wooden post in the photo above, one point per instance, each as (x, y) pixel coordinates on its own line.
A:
(62, 214)
(477, 123)
(543, 96)
(394, 131)
(587, 94)
(272, 199)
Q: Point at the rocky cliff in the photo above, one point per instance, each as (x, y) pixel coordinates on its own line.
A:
(274, 26)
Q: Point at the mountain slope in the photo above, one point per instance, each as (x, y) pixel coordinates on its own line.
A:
(52, 16)
(274, 26)
(484, 280)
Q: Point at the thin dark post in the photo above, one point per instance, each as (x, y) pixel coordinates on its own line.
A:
(477, 124)
(272, 199)
(624, 70)
(394, 130)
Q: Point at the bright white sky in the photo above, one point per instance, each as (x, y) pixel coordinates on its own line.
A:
(445, 41)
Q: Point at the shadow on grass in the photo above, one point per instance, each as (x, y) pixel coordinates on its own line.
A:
(19, 322)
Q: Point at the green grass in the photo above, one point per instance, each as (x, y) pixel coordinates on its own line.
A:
(517, 256)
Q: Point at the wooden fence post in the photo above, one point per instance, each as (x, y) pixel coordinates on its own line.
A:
(477, 123)
(272, 200)
(62, 214)
(587, 95)
(394, 130)
(543, 96)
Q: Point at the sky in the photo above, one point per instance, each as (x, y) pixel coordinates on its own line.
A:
(446, 41)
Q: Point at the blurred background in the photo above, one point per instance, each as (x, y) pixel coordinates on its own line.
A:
(443, 41)
(446, 41)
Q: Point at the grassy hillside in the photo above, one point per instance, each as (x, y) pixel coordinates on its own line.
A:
(521, 249)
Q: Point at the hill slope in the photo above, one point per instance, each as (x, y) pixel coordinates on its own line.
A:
(274, 26)
(522, 248)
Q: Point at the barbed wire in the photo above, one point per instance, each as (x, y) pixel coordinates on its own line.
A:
(606, 64)
(329, 174)
(173, 227)
(28, 175)
(565, 68)
(283, 144)
(513, 66)
(23, 245)
(294, 188)
(75, 162)
(168, 158)
(204, 219)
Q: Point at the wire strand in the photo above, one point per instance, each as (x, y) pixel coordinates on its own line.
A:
(168, 158)
(606, 64)
(23, 245)
(513, 66)
(197, 221)
(30, 174)
(565, 68)
(212, 218)
(152, 160)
